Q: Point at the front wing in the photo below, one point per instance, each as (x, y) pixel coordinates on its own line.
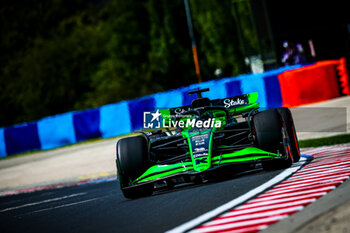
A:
(250, 155)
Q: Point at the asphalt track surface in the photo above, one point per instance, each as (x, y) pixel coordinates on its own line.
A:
(101, 207)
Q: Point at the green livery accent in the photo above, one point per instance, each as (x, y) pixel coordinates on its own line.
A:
(204, 162)
(210, 147)
(246, 108)
(247, 154)
(165, 113)
(217, 162)
(253, 97)
(244, 155)
(160, 171)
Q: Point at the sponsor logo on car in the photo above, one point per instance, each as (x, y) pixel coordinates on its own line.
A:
(205, 154)
(230, 102)
(199, 149)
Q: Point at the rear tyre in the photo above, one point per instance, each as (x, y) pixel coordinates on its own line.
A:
(268, 129)
(293, 140)
(132, 161)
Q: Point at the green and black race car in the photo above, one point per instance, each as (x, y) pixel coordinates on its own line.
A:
(210, 136)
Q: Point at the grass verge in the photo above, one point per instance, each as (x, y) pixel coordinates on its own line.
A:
(326, 141)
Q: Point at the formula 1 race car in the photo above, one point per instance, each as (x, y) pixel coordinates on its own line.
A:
(208, 137)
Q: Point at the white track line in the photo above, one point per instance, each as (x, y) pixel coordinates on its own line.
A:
(273, 192)
(303, 186)
(321, 171)
(316, 177)
(252, 216)
(239, 224)
(291, 194)
(288, 195)
(327, 166)
(60, 206)
(260, 203)
(41, 202)
(314, 181)
(335, 174)
(235, 202)
(271, 207)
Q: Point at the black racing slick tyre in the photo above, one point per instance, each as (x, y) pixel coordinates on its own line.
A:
(268, 128)
(132, 161)
(293, 139)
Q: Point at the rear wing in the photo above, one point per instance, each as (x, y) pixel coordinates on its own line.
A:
(236, 105)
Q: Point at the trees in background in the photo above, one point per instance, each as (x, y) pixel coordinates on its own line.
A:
(64, 55)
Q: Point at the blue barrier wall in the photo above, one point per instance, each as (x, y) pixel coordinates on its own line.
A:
(137, 107)
(233, 88)
(87, 124)
(2, 144)
(170, 99)
(21, 138)
(126, 116)
(56, 131)
(115, 120)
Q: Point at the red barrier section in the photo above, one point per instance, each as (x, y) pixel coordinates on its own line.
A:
(344, 76)
(312, 83)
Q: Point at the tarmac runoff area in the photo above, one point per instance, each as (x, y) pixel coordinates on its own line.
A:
(59, 166)
(97, 160)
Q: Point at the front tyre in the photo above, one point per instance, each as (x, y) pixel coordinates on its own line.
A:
(132, 161)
